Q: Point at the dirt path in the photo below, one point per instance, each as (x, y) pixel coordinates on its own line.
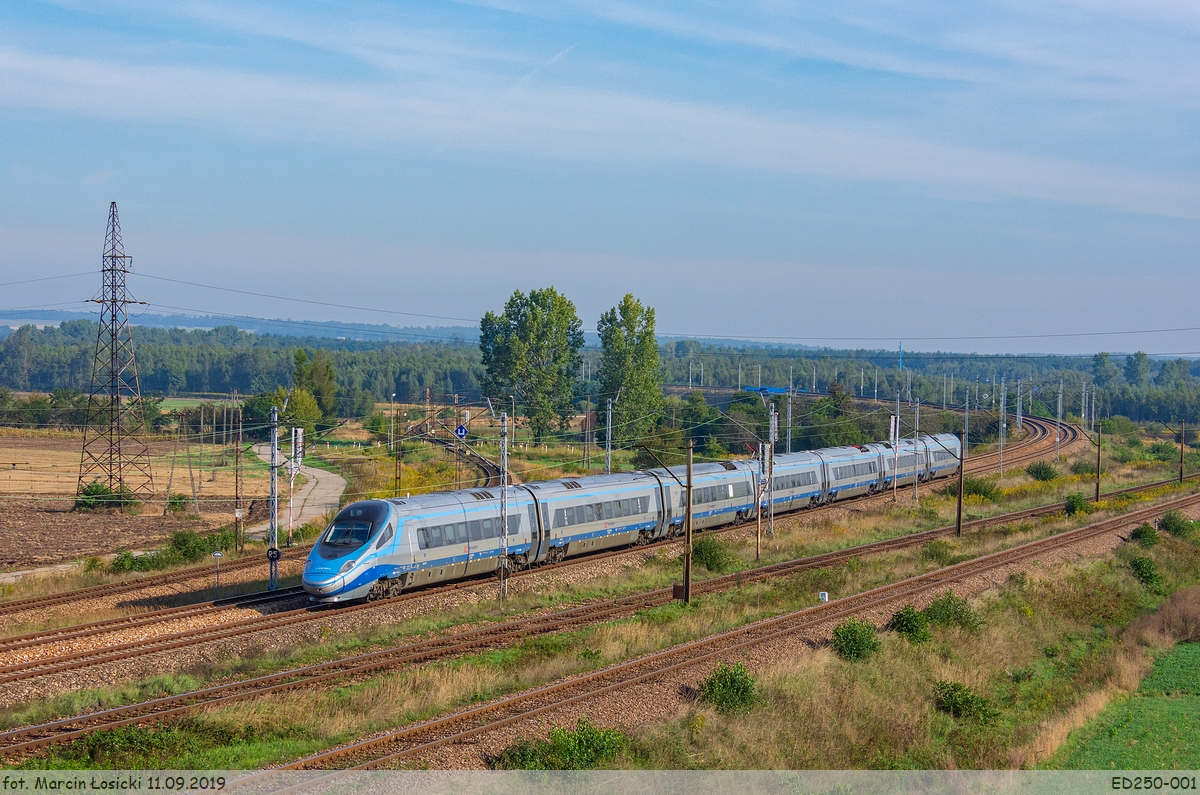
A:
(320, 494)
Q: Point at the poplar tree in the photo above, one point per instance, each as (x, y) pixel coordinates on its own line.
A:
(531, 352)
(629, 367)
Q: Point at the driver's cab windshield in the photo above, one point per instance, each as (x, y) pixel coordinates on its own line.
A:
(353, 527)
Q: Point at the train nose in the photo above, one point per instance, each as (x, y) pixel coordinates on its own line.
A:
(318, 585)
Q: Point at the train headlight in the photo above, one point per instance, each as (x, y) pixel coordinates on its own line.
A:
(348, 565)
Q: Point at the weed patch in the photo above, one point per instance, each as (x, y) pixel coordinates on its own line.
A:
(960, 701)
(729, 689)
(583, 748)
(855, 639)
(1041, 470)
(713, 555)
(912, 625)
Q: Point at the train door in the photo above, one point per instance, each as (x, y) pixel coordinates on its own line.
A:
(539, 529)
(825, 479)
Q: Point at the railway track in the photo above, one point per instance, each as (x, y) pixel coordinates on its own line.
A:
(102, 653)
(25, 740)
(492, 472)
(414, 741)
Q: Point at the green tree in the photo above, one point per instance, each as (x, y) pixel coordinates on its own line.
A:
(531, 351)
(1103, 370)
(316, 376)
(1174, 373)
(302, 411)
(1137, 369)
(629, 367)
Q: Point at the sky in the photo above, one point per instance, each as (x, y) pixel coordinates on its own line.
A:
(988, 176)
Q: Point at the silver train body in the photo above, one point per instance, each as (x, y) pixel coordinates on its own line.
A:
(376, 548)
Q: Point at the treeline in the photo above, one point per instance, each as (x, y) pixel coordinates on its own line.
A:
(223, 360)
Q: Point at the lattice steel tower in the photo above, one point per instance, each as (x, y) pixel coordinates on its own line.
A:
(114, 450)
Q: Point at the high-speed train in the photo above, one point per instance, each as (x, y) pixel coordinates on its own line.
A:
(376, 548)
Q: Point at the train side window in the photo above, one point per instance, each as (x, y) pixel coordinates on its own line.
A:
(435, 536)
(560, 519)
(589, 513)
(384, 538)
(479, 530)
(514, 524)
(423, 538)
(608, 510)
(643, 504)
(450, 535)
(624, 507)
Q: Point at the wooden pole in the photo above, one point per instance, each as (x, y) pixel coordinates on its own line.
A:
(1099, 447)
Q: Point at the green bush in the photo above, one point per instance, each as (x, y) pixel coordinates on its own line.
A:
(1173, 522)
(712, 555)
(977, 487)
(1164, 451)
(185, 546)
(912, 625)
(177, 503)
(1145, 535)
(855, 639)
(729, 689)
(949, 610)
(582, 748)
(961, 701)
(1145, 570)
(1041, 470)
(98, 495)
(1076, 503)
(1084, 466)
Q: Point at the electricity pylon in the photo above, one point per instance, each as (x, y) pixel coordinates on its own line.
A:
(114, 449)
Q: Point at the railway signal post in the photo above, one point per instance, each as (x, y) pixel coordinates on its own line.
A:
(687, 529)
(503, 569)
(273, 531)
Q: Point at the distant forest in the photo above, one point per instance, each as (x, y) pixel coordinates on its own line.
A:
(218, 361)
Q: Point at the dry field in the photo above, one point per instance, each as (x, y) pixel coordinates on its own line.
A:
(38, 475)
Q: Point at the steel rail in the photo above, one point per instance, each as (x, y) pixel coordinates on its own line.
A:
(157, 709)
(557, 695)
(87, 658)
(39, 602)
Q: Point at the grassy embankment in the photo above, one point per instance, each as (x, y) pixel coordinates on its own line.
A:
(284, 726)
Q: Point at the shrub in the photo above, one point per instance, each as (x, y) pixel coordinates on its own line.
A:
(729, 689)
(1084, 466)
(912, 625)
(177, 503)
(1145, 570)
(855, 639)
(1145, 535)
(712, 555)
(1076, 503)
(977, 487)
(581, 748)
(949, 610)
(961, 701)
(185, 546)
(1173, 522)
(1164, 451)
(98, 495)
(1041, 470)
